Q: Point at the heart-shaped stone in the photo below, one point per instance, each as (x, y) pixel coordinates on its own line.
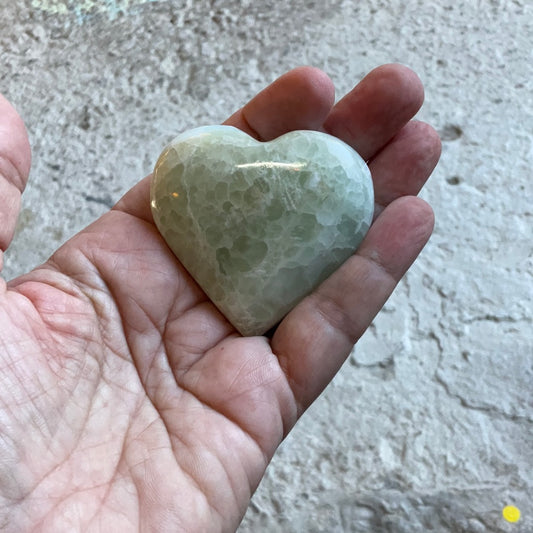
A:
(260, 225)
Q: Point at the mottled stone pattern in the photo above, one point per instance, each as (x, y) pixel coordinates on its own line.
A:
(259, 225)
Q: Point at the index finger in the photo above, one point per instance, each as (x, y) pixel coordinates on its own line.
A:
(315, 338)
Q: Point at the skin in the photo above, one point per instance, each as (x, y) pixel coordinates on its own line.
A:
(127, 401)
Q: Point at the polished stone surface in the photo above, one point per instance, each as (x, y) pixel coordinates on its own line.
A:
(260, 225)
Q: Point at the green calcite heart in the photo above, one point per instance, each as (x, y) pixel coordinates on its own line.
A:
(260, 225)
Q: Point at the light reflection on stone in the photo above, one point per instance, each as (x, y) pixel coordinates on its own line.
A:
(260, 225)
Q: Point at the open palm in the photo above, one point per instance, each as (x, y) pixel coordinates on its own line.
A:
(127, 401)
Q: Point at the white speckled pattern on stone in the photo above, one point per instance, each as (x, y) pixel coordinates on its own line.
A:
(260, 225)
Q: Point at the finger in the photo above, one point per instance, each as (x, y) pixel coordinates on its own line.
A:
(314, 339)
(299, 100)
(14, 169)
(405, 164)
(376, 109)
(136, 202)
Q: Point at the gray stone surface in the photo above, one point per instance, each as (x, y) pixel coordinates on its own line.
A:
(429, 426)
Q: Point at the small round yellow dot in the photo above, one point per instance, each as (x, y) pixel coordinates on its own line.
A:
(511, 513)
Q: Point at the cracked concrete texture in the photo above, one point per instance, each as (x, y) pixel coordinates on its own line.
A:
(429, 426)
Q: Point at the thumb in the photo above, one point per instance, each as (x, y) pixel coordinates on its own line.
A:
(15, 158)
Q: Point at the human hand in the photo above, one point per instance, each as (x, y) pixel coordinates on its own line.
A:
(127, 401)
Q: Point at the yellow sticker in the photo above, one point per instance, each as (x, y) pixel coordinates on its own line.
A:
(511, 513)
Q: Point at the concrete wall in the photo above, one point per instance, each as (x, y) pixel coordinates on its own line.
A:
(429, 426)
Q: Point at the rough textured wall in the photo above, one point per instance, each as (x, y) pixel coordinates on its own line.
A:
(429, 426)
